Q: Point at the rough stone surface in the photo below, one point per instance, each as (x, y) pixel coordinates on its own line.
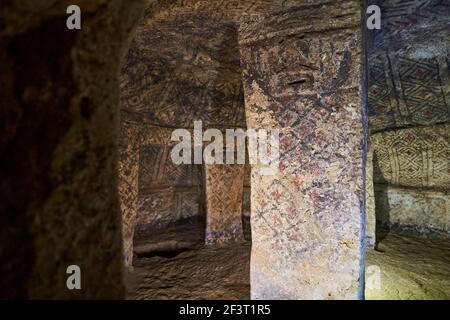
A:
(304, 78)
(183, 65)
(416, 24)
(370, 201)
(409, 111)
(128, 184)
(168, 192)
(301, 75)
(224, 188)
(186, 276)
(416, 211)
(58, 184)
(408, 91)
(170, 264)
(409, 268)
(409, 66)
(414, 157)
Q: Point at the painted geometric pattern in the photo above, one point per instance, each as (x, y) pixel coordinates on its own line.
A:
(224, 189)
(396, 8)
(404, 22)
(128, 184)
(246, 204)
(379, 96)
(158, 170)
(184, 67)
(415, 157)
(426, 96)
(167, 192)
(406, 92)
(272, 69)
(160, 208)
(184, 64)
(306, 84)
(370, 200)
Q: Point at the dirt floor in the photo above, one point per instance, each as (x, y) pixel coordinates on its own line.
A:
(176, 265)
(411, 268)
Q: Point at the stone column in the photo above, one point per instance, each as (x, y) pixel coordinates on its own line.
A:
(58, 190)
(302, 75)
(370, 201)
(128, 185)
(224, 185)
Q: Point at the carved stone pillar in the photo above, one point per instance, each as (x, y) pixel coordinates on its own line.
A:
(370, 201)
(224, 185)
(128, 185)
(302, 75)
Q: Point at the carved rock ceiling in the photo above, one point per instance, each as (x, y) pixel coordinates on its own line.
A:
(184, 63)
(409, 65)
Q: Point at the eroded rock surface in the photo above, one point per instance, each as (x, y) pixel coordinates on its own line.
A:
(304, 79)
(58, 189)
(411, 269)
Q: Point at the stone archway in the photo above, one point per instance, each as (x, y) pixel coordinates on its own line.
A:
(329, 116)
(59, 185)
(308, 219)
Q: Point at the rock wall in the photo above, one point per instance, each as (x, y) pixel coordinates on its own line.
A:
(246, 203)
(414, 211)
(183, 65)
(414, 157)
(168, 193)
(412, 179)
(409, 92)
(58, 185)
(370, 200)
(224, 185)
(128, 188)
